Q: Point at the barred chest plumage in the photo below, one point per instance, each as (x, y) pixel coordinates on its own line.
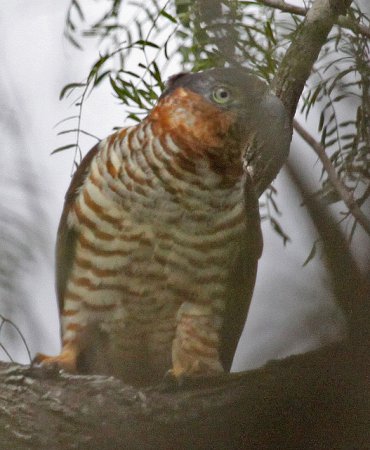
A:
(155, 232)
(159, 239)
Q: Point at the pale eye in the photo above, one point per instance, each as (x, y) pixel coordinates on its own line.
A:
(221, 95)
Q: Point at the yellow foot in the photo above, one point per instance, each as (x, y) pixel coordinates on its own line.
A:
(66, 360)
(197, 374)
(195, 368)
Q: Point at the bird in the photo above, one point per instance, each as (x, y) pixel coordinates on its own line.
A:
(159, 239)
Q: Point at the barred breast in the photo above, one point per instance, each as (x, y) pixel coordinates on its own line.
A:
(157, 230)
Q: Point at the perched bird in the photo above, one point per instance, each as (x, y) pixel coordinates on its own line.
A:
(159, 238)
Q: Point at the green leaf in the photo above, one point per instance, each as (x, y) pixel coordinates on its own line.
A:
(66, 119)
(134, 117)
(347, 123)
(311, 255)
(321, 121)
(76, 130)
(68, 88)
(331, 142)
(166, 50)
(128, 72)
(71, 39)
(315, 94)
(64, 147)
(269, 32)
(78, 9)
(340, 75)
(323, 136)
(101, 77)
(145, 43)
(277, 227)
(168, 16)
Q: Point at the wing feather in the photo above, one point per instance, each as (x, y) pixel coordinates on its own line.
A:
(67, 236)
(242, 278)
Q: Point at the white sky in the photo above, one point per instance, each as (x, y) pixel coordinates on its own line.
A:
(292, 309)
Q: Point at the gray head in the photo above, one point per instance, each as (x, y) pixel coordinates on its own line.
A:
(261, 120)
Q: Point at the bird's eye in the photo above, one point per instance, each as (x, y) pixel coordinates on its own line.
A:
(221, 95)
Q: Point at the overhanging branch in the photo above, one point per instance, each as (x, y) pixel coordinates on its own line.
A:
(343, 21)
(302, 53)
(337, 184)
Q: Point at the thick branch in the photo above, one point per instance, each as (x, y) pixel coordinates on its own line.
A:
(297, 63)
(342, 21)
(350, 287)
(337, 184)
(317, 400)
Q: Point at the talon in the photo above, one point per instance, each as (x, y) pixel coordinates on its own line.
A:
(172, 381)
(66, 360)
(174, 377)
(189, 380)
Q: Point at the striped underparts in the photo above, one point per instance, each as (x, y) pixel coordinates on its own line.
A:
(156, 232)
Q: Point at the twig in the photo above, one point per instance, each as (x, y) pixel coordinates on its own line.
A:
(3, 348)
(343, 21)
(4, 320)
(348, 23)
(338, 185)
(285, 7)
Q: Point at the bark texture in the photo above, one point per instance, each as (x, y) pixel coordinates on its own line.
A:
(319, 400)
(301, 55)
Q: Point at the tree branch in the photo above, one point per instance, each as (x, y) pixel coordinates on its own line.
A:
(347, 22)
(295, 68)
(342, 20)
(285, 7)
(350, 287)
(337, 184)
(277, 406)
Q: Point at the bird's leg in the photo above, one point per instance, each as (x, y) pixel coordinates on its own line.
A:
(66, 360)
(195, 347)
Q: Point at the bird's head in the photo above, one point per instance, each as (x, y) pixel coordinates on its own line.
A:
(230, 116)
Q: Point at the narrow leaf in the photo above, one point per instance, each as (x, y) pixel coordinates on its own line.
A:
(68, 88)
(146, 43)
(168, 16)
(311, 255)
(64, 147)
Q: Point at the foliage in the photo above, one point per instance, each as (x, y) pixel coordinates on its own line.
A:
(205, 33)
(339, 92)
